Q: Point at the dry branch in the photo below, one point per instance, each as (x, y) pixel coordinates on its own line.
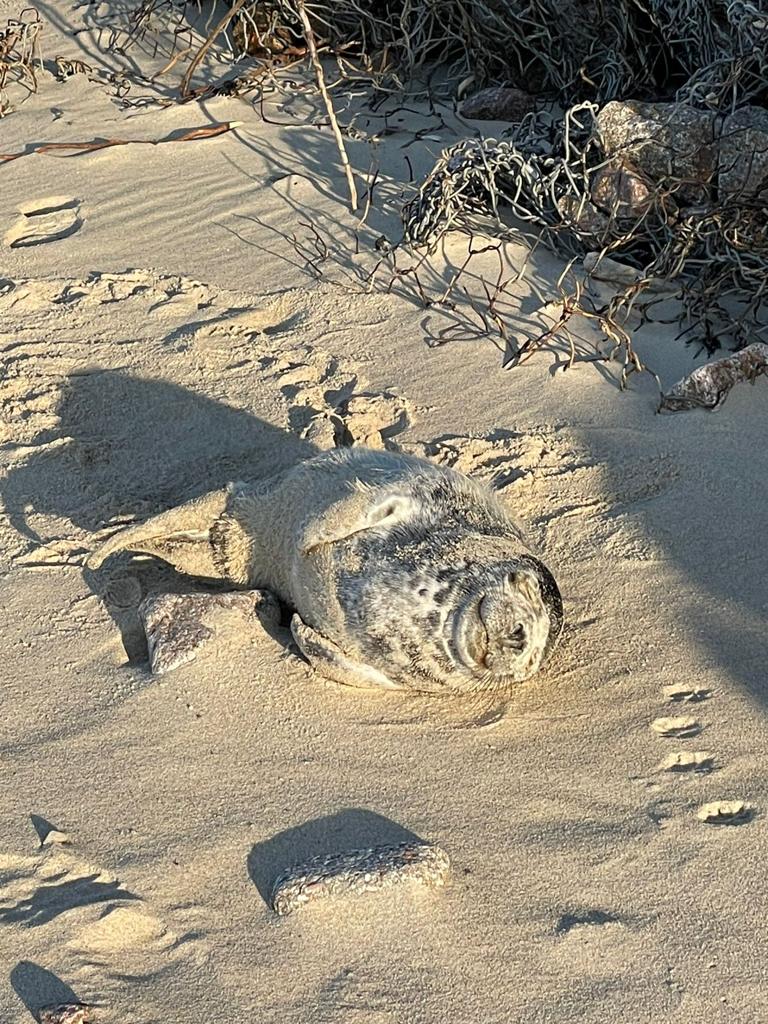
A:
(208, 131)
(309, 35)
(19, 51)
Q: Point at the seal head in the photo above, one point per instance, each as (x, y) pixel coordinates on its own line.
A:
(447, 610)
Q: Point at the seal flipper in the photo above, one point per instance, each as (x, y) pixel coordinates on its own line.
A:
(330, 661)
(363, 509)
(181, 536)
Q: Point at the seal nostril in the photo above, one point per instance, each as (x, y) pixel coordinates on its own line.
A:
(516, 639)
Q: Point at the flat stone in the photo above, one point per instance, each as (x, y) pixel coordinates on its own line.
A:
(661, 141)
(498, 104)
(583, 216)
(743, 164)
(621, 192)
(178, 626)
(359, 872)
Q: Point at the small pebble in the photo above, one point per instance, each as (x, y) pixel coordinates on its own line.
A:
(358, 872)
(65, 1013)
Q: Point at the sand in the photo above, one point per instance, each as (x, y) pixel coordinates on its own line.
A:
(161, 337)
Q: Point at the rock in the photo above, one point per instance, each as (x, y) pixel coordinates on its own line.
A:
(498, 104)
(65, 1013)
(358, 872)
(743, 164)
(662, 140)
(178, 625)
(583, 216)
(621, 192)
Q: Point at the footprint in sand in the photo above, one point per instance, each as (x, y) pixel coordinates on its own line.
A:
(680, 693)
(45, 220)
(585, 920)
(688, 761)
(111, 931)
(726, 812)
(680, 727)
(699, 762)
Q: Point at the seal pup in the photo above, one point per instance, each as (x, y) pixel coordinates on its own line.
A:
(400, 573)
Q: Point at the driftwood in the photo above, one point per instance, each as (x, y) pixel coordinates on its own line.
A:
(707, 386)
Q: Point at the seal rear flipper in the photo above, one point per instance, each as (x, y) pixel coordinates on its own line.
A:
(183, 537)
(330, 661)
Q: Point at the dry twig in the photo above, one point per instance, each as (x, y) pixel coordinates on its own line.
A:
(208, 131)
(309, 35)
(19, 50)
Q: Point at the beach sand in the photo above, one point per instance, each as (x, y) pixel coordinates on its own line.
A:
(160, 336)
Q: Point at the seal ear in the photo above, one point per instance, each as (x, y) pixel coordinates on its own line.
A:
(355, 513)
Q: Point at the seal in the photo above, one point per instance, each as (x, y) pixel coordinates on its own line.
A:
(400, 573)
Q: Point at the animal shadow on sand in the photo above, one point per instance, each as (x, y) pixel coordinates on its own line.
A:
(354, 828)
(37, 987)
(134, 447)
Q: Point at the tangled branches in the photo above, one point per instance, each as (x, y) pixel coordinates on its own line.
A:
(644, 182)
(568, 49)
(19, 50)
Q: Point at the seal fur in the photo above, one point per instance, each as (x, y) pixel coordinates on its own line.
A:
(400, 573)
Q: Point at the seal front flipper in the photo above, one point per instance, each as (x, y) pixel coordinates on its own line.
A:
(330, 661)
(364, 508)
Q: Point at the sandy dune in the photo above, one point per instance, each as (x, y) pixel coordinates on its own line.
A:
(159, 337)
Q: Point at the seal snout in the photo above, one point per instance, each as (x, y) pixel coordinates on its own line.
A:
(504, 633)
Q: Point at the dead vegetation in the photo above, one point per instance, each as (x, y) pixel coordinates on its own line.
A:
(682, 225)
(19, 57)
(657, 159)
